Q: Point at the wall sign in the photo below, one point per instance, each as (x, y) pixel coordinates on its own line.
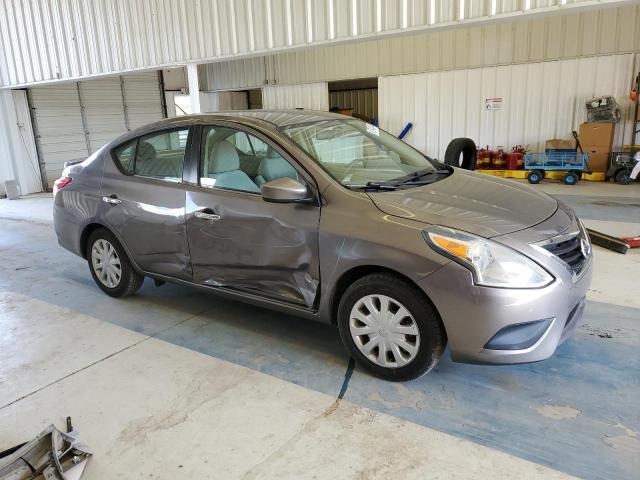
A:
(493, 103)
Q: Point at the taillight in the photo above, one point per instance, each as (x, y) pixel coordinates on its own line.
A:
(61, 183)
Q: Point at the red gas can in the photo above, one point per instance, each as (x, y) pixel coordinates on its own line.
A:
(498, 160)
(515, 161)
(483, 159)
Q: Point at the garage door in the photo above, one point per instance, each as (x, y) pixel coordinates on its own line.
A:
(74, 120)
(58, 127)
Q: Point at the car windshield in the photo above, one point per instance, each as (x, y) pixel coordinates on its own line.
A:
(358, 154)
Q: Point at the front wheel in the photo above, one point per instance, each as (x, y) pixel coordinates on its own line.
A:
(110, 267)
(390, 328)
(623, 177)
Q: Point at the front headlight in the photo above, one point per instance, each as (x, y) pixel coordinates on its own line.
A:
(492, 264)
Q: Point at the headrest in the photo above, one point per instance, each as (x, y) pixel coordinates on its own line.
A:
(272, 153)
(224, 158)
(276, 167)
(145, 152)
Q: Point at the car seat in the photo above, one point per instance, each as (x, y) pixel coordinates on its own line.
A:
(224, 167)
(149, 164)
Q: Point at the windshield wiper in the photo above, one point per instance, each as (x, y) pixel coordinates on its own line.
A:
(374, 186)
(416, 177)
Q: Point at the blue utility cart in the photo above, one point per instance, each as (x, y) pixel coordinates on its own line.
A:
(572, 162)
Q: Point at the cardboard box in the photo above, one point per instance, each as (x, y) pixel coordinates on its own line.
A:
(597, 135)
(560, 144)
(598, 159)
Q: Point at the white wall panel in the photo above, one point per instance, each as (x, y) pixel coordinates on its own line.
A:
(49, 40)
(18, 159)
(310, 96)
(540, 101)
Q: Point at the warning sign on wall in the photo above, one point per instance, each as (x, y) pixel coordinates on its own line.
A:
(493, 103)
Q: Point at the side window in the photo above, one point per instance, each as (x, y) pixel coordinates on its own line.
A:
(125, 154)
(235, 160)
(161, 155)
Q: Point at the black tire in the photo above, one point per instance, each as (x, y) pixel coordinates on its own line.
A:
(570, 178)
(432, 336)
(534, 177)
(623, 177)
(130, 280)
(461, 146)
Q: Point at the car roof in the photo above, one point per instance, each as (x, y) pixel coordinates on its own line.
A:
(273, 119)
(277, 118)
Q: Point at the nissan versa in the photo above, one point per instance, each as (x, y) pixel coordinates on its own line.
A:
(330, 218)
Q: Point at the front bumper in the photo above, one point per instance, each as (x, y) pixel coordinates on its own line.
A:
(474, 315)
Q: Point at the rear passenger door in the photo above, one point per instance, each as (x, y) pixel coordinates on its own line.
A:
(143, 197)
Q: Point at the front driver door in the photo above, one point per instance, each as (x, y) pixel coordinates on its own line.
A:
(239, 241)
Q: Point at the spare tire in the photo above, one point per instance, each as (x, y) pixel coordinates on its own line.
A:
(461, 152)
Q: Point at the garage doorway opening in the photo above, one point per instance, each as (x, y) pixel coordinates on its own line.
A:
(357, 98)
(230, 100)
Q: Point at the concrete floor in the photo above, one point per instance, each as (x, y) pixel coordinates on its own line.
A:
(174, 383)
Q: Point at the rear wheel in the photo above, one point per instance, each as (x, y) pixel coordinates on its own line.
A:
(110, 267)
(623, 177)
(570, 178)
(390, 328)
(534, 177)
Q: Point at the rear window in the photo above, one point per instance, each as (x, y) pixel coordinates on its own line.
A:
(158, 155)
(161, 155)
(125, 154)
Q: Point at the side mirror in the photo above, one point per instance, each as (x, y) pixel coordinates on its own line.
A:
(284, 190)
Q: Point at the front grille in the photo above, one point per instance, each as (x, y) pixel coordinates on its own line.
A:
(570, 252)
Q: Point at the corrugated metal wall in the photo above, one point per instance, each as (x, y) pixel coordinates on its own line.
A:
(549, 38)
(312, 96)
(540, 101)
(364, 102)
(48, 40)
(589, 33)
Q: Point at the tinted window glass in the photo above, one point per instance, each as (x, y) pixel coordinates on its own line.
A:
(125, 154)
(236, 160)
(161, 155)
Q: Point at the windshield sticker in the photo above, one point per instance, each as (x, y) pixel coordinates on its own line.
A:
(373, 129)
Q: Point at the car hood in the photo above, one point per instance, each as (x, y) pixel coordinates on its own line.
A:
(473, 202)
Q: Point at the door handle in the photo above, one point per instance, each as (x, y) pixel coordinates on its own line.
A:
(112, 200)
(207, 214)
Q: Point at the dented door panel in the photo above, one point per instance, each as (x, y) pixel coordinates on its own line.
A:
(262, 247)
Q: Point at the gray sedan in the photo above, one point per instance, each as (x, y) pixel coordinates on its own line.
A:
(332, 219)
